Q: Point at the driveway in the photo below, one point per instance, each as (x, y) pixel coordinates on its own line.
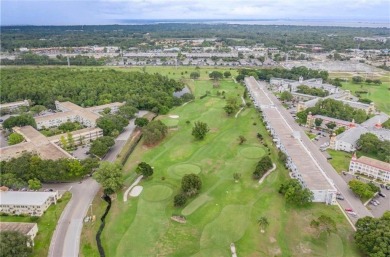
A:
(66, 238)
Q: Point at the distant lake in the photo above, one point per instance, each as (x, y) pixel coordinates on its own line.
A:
(303, 22)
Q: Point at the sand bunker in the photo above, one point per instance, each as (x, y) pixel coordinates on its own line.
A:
(174, 116)
(136, 191)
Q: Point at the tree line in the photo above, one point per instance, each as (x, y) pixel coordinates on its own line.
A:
(338, 38)
(17, 172)
(92, 87)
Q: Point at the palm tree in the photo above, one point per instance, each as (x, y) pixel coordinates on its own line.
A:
(263, 223)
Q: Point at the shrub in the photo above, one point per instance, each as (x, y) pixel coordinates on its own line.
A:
(179, 200)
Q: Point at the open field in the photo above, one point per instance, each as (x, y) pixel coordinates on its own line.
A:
(224, 211)
(46, 225)
(379, 94)
(340, 160)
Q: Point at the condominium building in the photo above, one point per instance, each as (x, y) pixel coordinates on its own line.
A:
(29, 203)
(80, 137)
(292, 85)
(300, 161)
(370, 167)
(28, 229)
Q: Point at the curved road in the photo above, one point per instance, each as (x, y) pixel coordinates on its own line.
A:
(66, 238)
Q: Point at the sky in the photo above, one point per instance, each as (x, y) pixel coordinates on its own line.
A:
(89, 12)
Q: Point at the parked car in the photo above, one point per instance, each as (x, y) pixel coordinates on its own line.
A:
(352, 213)
(348, 210)
(373, 203)
(387, 187)
(340, 197)
(376, 201)
(381, 194)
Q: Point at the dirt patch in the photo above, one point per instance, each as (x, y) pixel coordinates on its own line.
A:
(179, 219)
(272, 239)
(276, 251)
(303, 248)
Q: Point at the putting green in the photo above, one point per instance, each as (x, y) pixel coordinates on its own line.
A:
(180, 170)
(156, 193)
(252, 152)
(228, 227)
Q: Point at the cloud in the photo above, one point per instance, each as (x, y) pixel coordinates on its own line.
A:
(107, 11)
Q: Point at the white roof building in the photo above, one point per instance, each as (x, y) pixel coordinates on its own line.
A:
(31, 203)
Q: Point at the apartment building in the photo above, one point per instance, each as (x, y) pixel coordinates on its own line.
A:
(370, 167)
(29, 203)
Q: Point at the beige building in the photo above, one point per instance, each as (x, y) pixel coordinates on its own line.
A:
(36, 143)
(28, 229)
(29, 203)
(14, 105)
(80, 137)
(370, 167)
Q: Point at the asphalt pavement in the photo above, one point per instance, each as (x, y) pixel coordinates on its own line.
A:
(66, 238)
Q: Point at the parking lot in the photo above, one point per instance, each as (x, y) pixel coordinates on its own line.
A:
(384, 202)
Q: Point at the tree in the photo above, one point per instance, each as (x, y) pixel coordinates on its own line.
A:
(191, 184)
(339, 130)
(318, 122)
(215, 75)
(64, 142)
(37, 109)
(236, 176)
(368, 143)
(361, 189)
(357, 79)
(295, 193)
(324, 224)
(110, 176)
(154, 132)
(106, 110)
(34, 184)
(262, 167)
(15, 244)
(19, 121)
(145, 169)
(128, 112)
(70, 140)
(263, 223)
(372, 235)
(330, 125)
(111, 123)
(241, 139)
(15, 138)
(179, 200)
(227, 74)
(286, 96)
(200, 130)
(194, 75)
(101, 145)
(141, 122)
(232, 105)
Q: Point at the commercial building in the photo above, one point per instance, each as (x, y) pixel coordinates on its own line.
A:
(370, 167)
(28, 229)
(310, 122)
(300, 161)
(29, 203)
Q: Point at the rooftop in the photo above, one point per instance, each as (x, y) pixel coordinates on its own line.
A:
(77, 132)
(25, 198)
(21, 227)
(313, 176)
(375, 163)
(54, 116)
(31, 135)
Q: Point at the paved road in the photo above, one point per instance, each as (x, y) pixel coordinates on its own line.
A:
(66, 238)
(351, 201)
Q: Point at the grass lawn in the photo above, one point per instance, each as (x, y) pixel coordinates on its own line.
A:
(224, 211)
(46, 225)
(340, 160)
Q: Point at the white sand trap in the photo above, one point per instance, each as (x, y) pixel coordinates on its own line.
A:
(174, 116)
(136, 191)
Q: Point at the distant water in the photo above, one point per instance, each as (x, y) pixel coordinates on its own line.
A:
(303, 22)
